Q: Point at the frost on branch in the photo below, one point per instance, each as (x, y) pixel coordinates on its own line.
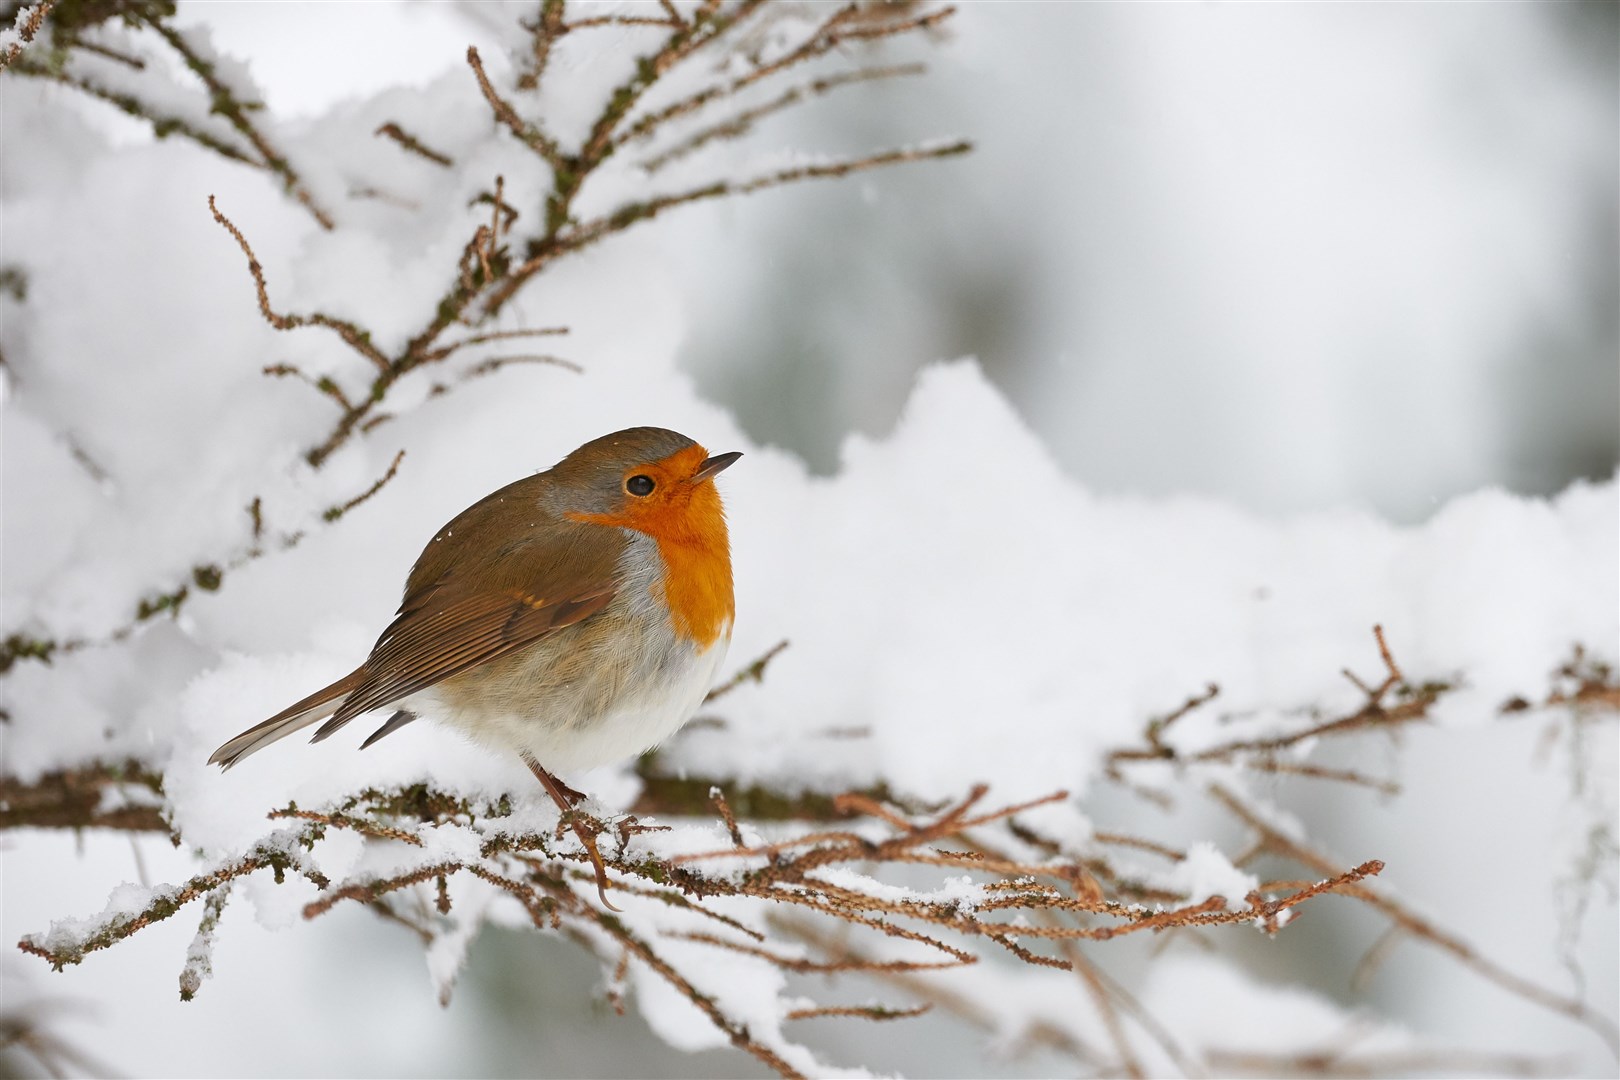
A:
(873, 886)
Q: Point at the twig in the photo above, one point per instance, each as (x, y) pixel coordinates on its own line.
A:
(324, 384)
(137, 108)
(333, 513)
(1321, 772)
(743, 122)
(1093, 983)
(369, 892)
(681, 43)
(864, 1012)
(497, 335)
(206, 577)
(86, 797)
(846, 963)
(200, 957)
(587, 233)
(545, 883)
(1122, 840)
(1337, 1063)
(723, 808)
(357, 339)
(528, 134)
(274, 853)
(1422, 929)
(754, 671)
(545, 31)
(495, 363)
(339, 820)
(908, 978)
(737, 1033)
(224, 103)
(837, 28)
(1156, 728)
(598, 21)
(411, 143)
(29, 20)
(1257, 753)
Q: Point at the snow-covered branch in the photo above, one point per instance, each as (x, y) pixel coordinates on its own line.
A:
(993, 878)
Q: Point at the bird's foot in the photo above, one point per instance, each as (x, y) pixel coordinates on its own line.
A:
(586, 827)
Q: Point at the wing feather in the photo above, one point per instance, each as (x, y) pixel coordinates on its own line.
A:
(448, 626)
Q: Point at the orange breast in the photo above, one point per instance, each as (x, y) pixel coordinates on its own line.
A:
(697, 585)
(689, 524)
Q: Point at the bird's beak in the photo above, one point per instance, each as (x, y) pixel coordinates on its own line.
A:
(714, 466)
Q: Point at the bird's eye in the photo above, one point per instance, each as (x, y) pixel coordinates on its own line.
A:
(639, 485)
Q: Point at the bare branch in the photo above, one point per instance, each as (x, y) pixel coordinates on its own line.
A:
(357, 339)
(528, 134)
(1421, 928)
(864, 1012)
(844, 24)
(743, 122)
(545, 33)
(225, 103)
(411, 143)
(754, 672)
(587, 233)
(131, 105)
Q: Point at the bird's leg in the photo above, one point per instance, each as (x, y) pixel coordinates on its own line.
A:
(566, 799)
(573, 795)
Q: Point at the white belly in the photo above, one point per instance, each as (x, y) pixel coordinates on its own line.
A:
(573, 727)
(638, 723)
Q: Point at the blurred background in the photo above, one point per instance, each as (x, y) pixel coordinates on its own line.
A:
(1293, 256)
(1290, 256)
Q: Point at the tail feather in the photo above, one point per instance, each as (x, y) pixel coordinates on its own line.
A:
(318, 706)
(395, 722)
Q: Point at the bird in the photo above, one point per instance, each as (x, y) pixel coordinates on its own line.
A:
(577, 616)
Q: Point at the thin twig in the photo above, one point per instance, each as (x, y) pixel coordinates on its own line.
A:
(410, 142)
(333, 513)
(742, 123)
(357, 339)
(1128, 1062)
(737, 1033)
(136, 107)
(837, 28)
(753, 672)
(591, 231)
(1421, 928)
(224, 102)
(528, 134)
(29, 20)
(864, 1012)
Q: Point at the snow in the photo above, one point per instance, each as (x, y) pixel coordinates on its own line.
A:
(1214, 1006)
(1205, 872)
(952, 592)
(447, 953)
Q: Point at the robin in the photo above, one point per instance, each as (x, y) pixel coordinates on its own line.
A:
(577, 616)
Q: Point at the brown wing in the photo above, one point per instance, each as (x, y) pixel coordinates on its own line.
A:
(555, 575)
